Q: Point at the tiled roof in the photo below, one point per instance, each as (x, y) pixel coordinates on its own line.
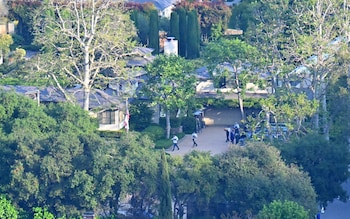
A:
(160, 4)
(98, 98)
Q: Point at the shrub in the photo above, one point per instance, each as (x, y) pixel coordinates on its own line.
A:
(188, 124)
(155, 132)
(140, 115)
(174, 122)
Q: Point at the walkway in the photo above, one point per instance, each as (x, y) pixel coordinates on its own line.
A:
(211, 139)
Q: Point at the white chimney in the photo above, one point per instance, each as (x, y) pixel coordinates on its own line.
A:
(171, 46)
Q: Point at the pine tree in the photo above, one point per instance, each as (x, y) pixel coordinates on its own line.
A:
(164, 190)
(154, 32)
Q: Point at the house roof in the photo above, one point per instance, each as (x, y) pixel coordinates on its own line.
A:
(159, 4)
(98, 98)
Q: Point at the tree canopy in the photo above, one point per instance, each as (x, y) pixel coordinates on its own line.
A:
(171, 83)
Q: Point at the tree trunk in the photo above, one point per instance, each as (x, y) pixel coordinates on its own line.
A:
(325, 111)
(239, 96)
(315, 94)
(86, 83)
(240, 100)
(168, 126)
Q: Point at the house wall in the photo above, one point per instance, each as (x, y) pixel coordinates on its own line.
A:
(166, 12)
(116, 125)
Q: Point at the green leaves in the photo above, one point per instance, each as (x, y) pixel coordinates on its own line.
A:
(7, 210)
(171, 83)
(285, 210)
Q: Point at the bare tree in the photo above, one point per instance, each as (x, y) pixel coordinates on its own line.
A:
(83, 42)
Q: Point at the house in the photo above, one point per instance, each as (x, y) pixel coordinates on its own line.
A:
(164, 7)
(107, 108)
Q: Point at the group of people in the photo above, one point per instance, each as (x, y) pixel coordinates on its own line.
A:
(175, 139)
(234, 135)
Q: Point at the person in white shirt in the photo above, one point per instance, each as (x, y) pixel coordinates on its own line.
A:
(228, 131)
(175, 139)
(194, 139)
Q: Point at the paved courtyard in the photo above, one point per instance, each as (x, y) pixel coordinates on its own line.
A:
(211, 139)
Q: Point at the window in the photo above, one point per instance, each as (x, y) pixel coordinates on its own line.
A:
(107, 117)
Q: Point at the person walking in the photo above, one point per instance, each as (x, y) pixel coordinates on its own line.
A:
(194, 139)
(175, 140)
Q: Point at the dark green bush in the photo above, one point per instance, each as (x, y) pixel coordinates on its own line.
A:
(174, 122)
(140, 115)
(188, 124)
(155, 132)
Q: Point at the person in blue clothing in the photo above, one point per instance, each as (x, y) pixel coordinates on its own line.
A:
(232, 136)
(318, 215)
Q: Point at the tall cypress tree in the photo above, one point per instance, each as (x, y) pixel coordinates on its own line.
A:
(154, 32)
(164, 190)
(193, 35)
(183, 32)
(174, 25)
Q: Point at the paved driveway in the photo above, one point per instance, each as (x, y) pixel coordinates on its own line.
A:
(338, 209)
(211, 139)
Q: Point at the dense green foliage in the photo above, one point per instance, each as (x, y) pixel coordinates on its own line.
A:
(183, 32)
(325, 161)
(240, 181)
(283, 210)
(164, 189)
(154, 32)
(141, 115)
(7, 210)
(171, 84)
(174, 26)
(57, 147)
(193, 35)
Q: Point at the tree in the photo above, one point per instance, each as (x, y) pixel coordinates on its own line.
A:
(141, 115)
(209, 14)
(42, 213)
(325, 161)
(171, 84)
(194, 183)
(142, 23)
(319, 36)
(183, 32)
(242, 15)
(22, 11)
(303, 41)
(174, 25)
(255, 175)
(5, 42)
(57, 147)
(81, 41)
(285, 210)
(7, 210)
(154, 32)
(193, 35)
(164, 189)
(238, 55)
